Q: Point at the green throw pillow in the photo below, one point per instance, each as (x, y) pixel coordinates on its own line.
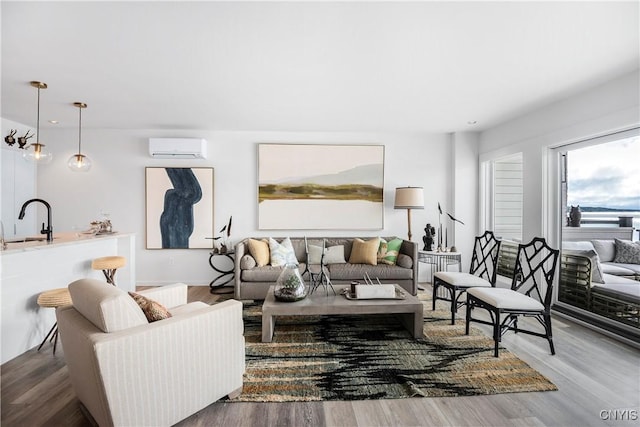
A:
(382, 250)
(393, 249)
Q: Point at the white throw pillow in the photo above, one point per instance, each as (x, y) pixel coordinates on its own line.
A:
(332, 254)
(315, 254)
(282, 253)
(335, 255)
(606, 249)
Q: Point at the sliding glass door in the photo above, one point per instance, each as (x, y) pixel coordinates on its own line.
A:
(600, 217)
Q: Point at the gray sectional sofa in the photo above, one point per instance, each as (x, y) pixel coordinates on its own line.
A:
(591, 279)
(252, 282)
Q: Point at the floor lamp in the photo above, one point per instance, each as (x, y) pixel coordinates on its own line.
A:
(409, 198)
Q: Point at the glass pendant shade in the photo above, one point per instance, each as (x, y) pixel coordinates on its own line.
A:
(79, 163)
(35, 152)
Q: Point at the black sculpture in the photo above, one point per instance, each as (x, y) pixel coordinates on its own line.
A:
(430, 232)
(176, 221)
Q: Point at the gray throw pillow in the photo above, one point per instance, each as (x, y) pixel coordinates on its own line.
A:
(247, 262)
(404, 261)
(627, 252)
(606, 249)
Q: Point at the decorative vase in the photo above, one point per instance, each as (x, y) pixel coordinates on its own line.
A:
(575, 216)
(290, 286)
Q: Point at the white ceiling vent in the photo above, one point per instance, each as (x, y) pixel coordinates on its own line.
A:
(178, 148)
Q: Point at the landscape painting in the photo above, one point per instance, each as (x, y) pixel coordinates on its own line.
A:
(179, 208)
(320, 187)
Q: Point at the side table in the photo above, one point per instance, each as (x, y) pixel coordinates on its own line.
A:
(225, 275)
(440, 261)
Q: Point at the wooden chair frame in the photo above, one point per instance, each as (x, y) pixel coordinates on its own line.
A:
(535, 265)
(483, 264)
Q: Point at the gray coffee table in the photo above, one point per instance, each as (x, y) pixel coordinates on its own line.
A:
(409, 310)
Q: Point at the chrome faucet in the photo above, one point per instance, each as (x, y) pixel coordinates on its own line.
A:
(49, 230)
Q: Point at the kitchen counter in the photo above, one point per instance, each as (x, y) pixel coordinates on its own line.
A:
(31, 267)
(59, 239)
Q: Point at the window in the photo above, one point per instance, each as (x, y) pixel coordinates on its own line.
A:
(502, 197)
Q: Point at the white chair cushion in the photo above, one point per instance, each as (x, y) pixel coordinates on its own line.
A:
(462, 279)
(109, 308)
(506, 299)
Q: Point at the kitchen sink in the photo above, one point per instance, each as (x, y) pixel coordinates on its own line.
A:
(28, 239)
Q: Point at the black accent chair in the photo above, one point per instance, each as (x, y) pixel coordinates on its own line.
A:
(529, 296)
(482, 273)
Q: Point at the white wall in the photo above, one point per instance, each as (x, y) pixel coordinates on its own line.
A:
(465, 192)
(607, 108)
(17, 191)
(116, 184)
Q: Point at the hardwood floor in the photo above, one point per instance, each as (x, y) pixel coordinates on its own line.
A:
(593, 373)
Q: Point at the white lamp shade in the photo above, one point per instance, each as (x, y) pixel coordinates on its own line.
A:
(409, 198)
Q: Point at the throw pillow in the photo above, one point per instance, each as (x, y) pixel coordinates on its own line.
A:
(282, 253)
(334, 255)
(404, 261)
(596, 268)
(382, 250)
(259, 250)
(152, 310)
(606, 249)
(247, 262)
(315, 254)
(627, 252)
(365, 252)
(393, 249)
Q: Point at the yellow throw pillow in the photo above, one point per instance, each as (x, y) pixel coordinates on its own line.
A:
(365, 252)
(259, 250)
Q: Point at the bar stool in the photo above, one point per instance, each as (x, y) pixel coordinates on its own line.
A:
(53, 299)
(109, 265)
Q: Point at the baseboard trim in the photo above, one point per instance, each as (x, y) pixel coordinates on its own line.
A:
(630, 338)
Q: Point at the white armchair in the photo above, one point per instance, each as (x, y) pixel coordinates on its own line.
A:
(128, 372)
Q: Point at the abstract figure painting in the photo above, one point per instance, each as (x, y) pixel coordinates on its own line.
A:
(179, 208)
(320, 187)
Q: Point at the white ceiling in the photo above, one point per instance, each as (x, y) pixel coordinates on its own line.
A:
(303, 66)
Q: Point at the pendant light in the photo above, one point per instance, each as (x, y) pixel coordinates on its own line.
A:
(37, 154)
(79, 162)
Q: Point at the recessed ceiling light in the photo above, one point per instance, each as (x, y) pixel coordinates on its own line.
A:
(472, 122)
(54, 122)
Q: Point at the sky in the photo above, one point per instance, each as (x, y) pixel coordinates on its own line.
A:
(281, 162)
(605, 175)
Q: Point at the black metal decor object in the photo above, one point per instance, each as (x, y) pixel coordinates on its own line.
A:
(9, 139)
(22, 140)
(225, 275)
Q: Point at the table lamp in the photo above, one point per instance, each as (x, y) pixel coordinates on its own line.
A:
(409, 198)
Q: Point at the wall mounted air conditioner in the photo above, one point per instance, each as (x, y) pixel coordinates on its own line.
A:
(178, 148)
